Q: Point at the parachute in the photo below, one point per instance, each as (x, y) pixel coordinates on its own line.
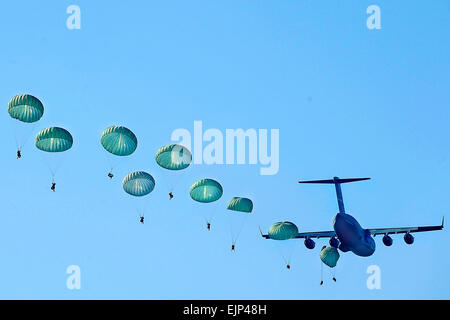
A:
(173, 157)
(26, 108)
(329, 256)
(119, 141)
(206, 190)
(241, 208)
(54, 139)
(283, 231)
(138, 183)
(240, 204)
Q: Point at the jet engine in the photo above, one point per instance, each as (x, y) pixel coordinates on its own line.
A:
(409, 239)
(387, 240)
(334, 242)
(310, 244)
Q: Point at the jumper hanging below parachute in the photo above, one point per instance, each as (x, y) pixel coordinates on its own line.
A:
(27, 110)
(175, 158)
(240, 208)
(282, 231)
(206, 191)
(118, 141)
(54, 141)
(139, 184)
(330, 257)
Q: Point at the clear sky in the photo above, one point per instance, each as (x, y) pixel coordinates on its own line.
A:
(348, 101)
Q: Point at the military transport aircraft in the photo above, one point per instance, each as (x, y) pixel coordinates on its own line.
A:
(348, 235)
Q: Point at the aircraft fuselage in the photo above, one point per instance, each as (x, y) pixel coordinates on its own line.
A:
(352, 236)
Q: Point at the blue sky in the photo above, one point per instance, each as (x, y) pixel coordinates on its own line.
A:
(348, 101)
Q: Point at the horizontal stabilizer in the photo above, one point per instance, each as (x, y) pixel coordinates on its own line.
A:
(333, 181)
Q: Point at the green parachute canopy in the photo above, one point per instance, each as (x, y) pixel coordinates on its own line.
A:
(329, 256)
(174, 157)
(119, 140)
(206, 190)
(240, 204)
(26, 108)
(283, 231)
(138, 183)
(54, 139)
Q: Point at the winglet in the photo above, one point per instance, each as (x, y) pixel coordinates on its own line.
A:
(263, 235)
(442, 225)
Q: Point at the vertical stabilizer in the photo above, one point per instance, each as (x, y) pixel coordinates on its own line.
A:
(337, 184)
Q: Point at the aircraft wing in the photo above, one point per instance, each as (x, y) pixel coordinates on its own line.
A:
(304, 235)
(317, 234)
(375, 232)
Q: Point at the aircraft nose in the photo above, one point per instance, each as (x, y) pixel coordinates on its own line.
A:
(370, 244)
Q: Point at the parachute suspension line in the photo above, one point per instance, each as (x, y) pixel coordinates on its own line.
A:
(146, 209)
(171, 184)
(236, 233)
(165, 180)
(208, 224)
(112, 164)
(179, 178)
(22, 138)
(284, 251)
(111, 169)
(289, 258)
(233, 238)
(321, 273)
(15, 133)
(55, 168)
(286, 262)
(27, 136)
(212, 212)
(141, 214)
(210, 216)
(291, 250)
(47, 164)
(286, 258)
(142, 209)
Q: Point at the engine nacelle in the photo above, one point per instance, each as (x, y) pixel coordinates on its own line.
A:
(334, 242)
(387, 240)
(409, 239)
(310, 244)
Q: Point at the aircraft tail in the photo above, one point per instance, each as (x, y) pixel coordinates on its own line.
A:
(334, 180)
(337, 184)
